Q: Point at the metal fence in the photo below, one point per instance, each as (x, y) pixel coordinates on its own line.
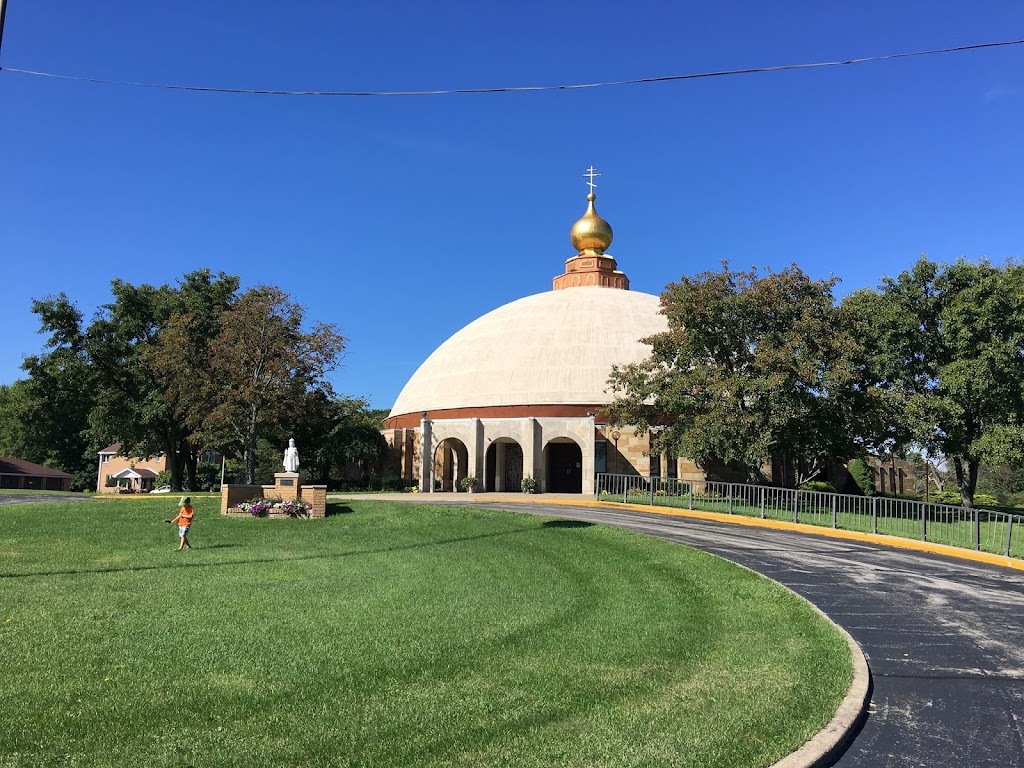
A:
(981, 529)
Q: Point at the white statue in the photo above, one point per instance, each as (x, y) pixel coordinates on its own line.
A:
(291, 456)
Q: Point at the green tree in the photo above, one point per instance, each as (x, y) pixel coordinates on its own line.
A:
(45, 417)
(946, 341)
(751, 368)
(339, 434)
(134, 396)
(262, 367)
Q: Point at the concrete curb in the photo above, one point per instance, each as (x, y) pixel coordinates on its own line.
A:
(828, 743)
(815, 530)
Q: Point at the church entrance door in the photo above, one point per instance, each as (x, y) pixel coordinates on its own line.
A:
(503, 466)
(565, 468)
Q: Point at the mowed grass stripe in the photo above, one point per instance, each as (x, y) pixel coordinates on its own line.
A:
(393, 635)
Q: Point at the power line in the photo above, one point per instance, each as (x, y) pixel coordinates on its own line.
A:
(525, 88)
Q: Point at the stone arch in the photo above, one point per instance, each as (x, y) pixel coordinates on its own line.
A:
(503, 462)
(451, 464)
(563, 465)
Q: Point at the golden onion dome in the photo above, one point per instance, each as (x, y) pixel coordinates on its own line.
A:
(591, 232)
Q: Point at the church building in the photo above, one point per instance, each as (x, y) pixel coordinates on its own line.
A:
(518, 392)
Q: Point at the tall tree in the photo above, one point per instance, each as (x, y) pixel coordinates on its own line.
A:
(338, 433)
(44, 417)
(131, 397)
(948, 342)
(262, 367)
(752, 368)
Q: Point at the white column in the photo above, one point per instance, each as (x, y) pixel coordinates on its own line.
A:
(499, 466)
(588, 459)
(529, 449)
(426, 456)
(474, 449)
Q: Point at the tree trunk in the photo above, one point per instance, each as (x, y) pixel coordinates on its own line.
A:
(250, 449)
(190, 459)
(173, 463)
(967, 480)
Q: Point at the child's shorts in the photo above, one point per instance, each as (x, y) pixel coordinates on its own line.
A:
(183, 529)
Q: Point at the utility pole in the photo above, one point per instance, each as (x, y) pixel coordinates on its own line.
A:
(3, 13)
(926, 467)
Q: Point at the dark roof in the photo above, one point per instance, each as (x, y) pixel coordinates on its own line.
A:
(10, 466)
(113, 448)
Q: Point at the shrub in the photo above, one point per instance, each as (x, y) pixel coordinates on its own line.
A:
(393, 483)
(818, 485)
(528, 485)
(861, 475)
(468, 483)
(952, 496)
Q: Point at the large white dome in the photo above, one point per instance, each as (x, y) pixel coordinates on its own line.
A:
(554, 348)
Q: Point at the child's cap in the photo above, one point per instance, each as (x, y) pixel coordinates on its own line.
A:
(184, 500)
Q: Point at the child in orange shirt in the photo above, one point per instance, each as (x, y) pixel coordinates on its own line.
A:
(184, 521)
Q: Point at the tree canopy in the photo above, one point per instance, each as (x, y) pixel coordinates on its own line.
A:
(261, 368)
(947, 341)
(175, 369)
(753, 368)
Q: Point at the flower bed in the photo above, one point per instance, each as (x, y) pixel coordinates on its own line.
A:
(274, 508)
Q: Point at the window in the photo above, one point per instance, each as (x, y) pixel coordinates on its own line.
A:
(601, 456)
(655, 465)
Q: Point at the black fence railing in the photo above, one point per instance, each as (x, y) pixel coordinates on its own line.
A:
(980, 529)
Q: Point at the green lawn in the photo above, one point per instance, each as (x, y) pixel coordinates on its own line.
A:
(393, 635)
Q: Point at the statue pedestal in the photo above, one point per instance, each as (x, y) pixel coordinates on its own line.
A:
(286, 486)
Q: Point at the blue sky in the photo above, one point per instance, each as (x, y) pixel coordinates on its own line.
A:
(403, 219)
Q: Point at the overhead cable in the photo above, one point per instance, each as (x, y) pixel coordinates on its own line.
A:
(523, 88)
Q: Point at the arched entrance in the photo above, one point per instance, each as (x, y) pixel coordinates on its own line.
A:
(451, 464)
(503, 466)
(563, 466)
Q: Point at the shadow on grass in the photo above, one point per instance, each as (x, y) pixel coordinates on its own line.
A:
(256, 560)
(337, 508)
(567, 524)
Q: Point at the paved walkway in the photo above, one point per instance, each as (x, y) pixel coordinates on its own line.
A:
(944, 637)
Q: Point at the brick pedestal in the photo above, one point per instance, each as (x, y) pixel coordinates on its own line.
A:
(286, 486)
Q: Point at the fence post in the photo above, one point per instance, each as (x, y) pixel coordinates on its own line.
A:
(652, 491)
(835, 517)
(762, 502)
(625, 487)
(690, 484)
(730, 498)
(976, 533)
(1009, 533)
(796, 514)
(924, 522)
(874, 514)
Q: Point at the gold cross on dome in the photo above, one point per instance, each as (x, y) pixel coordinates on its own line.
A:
(590, 174)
